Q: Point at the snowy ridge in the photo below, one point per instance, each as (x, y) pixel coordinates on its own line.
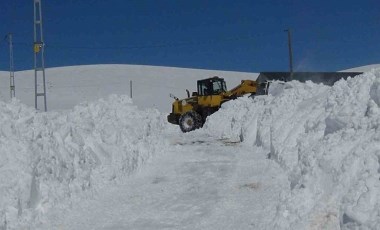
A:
(327, 141)
(49, 157)
(365, 68)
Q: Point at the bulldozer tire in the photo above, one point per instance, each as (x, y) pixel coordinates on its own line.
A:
(190, 121)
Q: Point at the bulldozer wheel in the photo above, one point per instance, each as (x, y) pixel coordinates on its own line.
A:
(190, 121)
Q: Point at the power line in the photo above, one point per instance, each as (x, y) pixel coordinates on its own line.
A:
(152, 46)
(162, 45)
(5, 39)
(121, 83)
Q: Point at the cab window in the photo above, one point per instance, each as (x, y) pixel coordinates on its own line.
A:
(203, 89)
(218, 87)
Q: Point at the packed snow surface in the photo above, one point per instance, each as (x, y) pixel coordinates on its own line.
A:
(306, 156)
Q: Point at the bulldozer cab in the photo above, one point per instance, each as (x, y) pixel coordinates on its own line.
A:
(211, 86)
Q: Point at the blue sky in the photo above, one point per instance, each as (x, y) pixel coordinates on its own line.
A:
(215, 34)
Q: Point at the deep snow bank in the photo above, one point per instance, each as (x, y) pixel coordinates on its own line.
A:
(49, 157)
(327, 140)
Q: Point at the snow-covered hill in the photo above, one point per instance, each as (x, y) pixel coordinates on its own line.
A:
(363, 68)
(151, 85)
(304, 157)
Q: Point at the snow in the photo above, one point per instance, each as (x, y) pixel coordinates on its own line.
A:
(307, 156)
(186, 188)
(327, 141)
(50, 157)
(363, 68)
(151, 85)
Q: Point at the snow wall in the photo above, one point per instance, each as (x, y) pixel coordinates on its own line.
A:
(327, 140)
(49, 158)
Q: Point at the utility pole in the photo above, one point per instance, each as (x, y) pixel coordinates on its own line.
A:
(11, 66)
(39, 48)
(130, 88)
(290, 51)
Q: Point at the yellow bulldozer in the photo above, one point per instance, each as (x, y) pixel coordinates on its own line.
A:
(191, 113)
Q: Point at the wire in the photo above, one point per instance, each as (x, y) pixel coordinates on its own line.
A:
(5, 38)
(153, 46)
(95, 86)
(165, 45)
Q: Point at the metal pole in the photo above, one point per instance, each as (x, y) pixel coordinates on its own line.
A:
(35, 56)
(290, 51)
(42, 56)
(39, 50)
(11, 66)
(130, 87)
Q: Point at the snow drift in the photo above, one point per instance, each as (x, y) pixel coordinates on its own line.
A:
(327, 140)
(50, 157)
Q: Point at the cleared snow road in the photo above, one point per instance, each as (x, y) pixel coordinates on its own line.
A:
(200, 183)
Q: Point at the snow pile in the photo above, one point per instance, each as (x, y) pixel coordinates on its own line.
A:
(327, 140)
(47, 158)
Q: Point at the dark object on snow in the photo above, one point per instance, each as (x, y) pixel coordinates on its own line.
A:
(326, 78)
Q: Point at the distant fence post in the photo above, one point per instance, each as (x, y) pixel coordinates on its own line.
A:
(130, 87)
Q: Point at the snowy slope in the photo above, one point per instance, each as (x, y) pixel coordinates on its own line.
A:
(69, 86)
(363, 68)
